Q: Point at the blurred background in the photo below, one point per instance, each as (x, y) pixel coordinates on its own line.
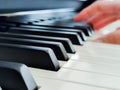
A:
(25, 5)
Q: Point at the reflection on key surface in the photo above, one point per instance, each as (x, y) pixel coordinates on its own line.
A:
(16, 76)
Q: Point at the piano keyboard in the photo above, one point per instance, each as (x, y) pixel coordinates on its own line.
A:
(74, 62)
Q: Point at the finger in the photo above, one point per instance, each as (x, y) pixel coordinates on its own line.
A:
(96, 18)
(118, 28)
(105, 22)
(107, 6)
(87, 12)
(112, 38)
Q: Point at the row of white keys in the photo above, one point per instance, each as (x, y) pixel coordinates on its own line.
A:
(85, 72)
(103, 65)
(98, 53)
(52, 84)
(86, 62)
(105, 69)
(96, 59)
(79, 77)
(99, 50)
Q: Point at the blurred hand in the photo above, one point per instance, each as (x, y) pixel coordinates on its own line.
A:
(112, 38)
(100, 13)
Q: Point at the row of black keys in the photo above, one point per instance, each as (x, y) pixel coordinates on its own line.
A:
(31, 44)
(39, 46)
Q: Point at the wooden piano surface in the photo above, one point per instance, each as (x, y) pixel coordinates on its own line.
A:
(95, 66)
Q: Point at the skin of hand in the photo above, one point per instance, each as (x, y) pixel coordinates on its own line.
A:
(112, 38)
(100, 14)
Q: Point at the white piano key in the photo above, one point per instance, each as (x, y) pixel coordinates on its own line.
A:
(97, 50)
(93, 67)
(79, 56)
(61, 63)
(103, 45)
(50, 84)
(80, 77)
(97, 53)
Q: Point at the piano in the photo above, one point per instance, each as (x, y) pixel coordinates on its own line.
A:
(42, 48)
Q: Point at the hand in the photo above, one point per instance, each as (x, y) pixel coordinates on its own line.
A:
(100, 13)
(112, 38)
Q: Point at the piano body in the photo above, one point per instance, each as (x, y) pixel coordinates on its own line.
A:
(60, 54)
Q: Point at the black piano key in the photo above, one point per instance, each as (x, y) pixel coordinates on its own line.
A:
(3, 23)
(82, 35)
(74, 37)
(91, 29)
(33, 56)
(57, 47)
(87, 31)
(85, 26)
(3, 28)
(65, 41)
(16, 76)
(84, 29)
(66, 23)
